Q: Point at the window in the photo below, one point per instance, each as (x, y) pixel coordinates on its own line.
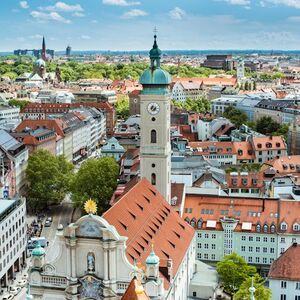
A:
(153, 136)
(258, 228)
(257, 249)
(213, 246)
(297, 285)
(206, 246)
(243, 238)
(257, 260)
(243, 248)
(199, 256)
(213, 236)
(283, 226)
(250, 259)
(272, 250)
(199, 245)
(250, 248)
(283, 284)
(296, 227)
(205, 256)
(282, 297)
(273, 228)
(282, 250)
(272, 240)
(282, 240)
(266, 227)
(206, 235)
(265, 239)
(257, 239)
(250, 238)
(264, 260)
(297, 297)
(213, 256)
(153, 179)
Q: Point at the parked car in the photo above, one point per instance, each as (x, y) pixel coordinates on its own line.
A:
(49, 219)
(47, 223)
(14, 290)
(8, 297)
(22, 283)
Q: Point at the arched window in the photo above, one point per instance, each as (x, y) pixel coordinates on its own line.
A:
(193, 222)
(153, 136)
(266, 227)
(199, 224)
(113, 146)
(283, 226)
(273, 228)
(258, 227)
(153, 179)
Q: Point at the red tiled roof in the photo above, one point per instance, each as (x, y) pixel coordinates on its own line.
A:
(268, 143)
(284, 164)
(250, 180)
(144, 216)
(287, 265)
(135, 291)
(266, 210)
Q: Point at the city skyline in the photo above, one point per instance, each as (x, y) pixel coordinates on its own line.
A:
(128, 25)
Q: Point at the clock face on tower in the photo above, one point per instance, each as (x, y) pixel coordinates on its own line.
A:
(153, 108)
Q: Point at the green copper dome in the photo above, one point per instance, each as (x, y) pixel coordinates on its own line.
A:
(155, 52)
(152, 259)
(38, 251)
(154, 76)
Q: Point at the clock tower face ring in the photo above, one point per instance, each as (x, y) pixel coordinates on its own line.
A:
(153, 108)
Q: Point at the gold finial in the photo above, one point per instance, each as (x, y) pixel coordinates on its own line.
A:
(90, 206)
(139, 290)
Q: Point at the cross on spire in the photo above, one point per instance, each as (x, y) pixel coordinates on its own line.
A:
(155, 31)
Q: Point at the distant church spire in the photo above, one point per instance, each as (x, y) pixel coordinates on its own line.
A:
(44, 50)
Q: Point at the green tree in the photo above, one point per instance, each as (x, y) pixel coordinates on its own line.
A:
(246, 85)
(236, 116)
(48, 179)
(122, 107)
(254, 85)
(18, 103)
(233, 271)
(261, 292)
(96, 179)
(266, 125)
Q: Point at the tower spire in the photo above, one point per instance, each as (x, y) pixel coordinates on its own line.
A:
(44, 49)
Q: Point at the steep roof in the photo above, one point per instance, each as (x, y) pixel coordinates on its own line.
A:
(145, 217)
(135, 291)
(284, 164)
(287, 265)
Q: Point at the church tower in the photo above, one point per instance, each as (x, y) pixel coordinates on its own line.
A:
(155, 150)
(43, 56)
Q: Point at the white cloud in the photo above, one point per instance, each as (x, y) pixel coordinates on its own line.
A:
(36, 36)
(177, 13)
(52, 16)
(133, 13)
(239, 2)
(94, 22)
(294, 19)
(85, 37)
(290, 3)
(78, 14)
(120, 2)
(24, 4)
(62, 6)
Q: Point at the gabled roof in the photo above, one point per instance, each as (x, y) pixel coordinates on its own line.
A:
(287, 265)
(145, 217)
(135, 291)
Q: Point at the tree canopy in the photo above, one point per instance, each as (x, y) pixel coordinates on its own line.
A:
(201, 104)
(233, 271)
(48, 179)
(122, 107)
(18, 103)
(236, 116)
(261, 292)
(96, 179)
(266, 125)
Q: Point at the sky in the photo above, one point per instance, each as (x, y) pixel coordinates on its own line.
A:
(129, 24)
